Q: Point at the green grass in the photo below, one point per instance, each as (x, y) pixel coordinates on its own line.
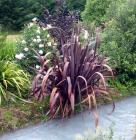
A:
(8, 50)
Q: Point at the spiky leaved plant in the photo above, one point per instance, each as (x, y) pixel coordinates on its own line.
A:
(14, 82)
(77, 77)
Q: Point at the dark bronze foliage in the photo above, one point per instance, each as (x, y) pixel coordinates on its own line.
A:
(63, 20)
(77, 77)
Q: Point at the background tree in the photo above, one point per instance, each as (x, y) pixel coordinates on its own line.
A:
(15, 13)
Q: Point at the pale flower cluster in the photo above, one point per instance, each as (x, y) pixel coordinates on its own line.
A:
(26, 49)
(37, 40)
(19, 56)
(34, 19)
(37, 66)
(49, 44)
(40, 52)
(41, 45)
(86, 34)
(30, 24)
(23, 42)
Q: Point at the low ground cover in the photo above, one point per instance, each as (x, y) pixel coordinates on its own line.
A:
(18, 115)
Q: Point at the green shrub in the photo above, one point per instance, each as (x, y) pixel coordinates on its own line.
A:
(95, 11)
(13, 81)
(33, 39)
(119, 40)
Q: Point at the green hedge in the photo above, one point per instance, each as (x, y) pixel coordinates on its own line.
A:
(120, 39)
(95, 11)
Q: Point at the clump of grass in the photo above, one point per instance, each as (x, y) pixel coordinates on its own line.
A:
(8, 50)
(13, 82)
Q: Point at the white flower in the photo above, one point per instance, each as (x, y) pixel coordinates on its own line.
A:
(22, 55)
(34, 40)
(23, 42)
(55, 44)
(26, 49)
(42, 76)
(41, 45)
(19, 56)
(44, 29)
(54, 47)
(30, 24)
(86, 34)
(38, 40)
(40, 52)
(38, 36)
(37, 66)
(49, 43)
(48, 36)
(49, 26)
(38, 31)
(34, 19)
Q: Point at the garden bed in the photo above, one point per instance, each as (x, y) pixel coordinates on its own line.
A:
(20, 114)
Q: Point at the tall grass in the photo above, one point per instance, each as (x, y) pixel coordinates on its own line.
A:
(8, 50)
(13, 80)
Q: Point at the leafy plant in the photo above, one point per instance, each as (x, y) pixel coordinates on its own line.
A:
(95, 11)
(77, 77)
(120, 36)
(33, 38)
(62, 21)
(13, 81)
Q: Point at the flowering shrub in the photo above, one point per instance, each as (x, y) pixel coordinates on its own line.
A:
(33, 38)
